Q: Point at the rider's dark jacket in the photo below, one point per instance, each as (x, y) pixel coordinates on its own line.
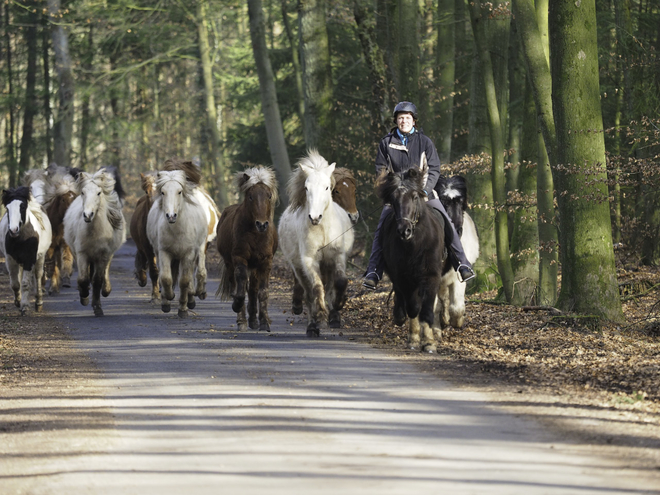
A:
(404, 157)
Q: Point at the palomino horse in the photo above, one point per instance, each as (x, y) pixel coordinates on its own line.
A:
(450, 305)
(343, 193)
(25, 235)
(145, 258)
(60, 192)
(315, 236)
(177, 229)
(413, 250)
(94, 228)
(247, 241)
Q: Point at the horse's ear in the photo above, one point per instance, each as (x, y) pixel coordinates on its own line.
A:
(331, 168)
(423, 163)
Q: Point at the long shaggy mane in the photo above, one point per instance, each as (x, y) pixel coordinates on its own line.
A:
(257, 175)
(452, 189)
(23, 193)
(192, 171)
(106, 180)
(164, 176)
(296, 185)
(388, 182)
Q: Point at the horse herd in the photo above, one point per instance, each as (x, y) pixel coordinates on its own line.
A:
(64, 214)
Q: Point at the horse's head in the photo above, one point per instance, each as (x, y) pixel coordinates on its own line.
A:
(344, 192)
(453, 194)
(148, 183)
(405, 193)
(172, 189)
(259, 185)
(94, 189)
(16, 202)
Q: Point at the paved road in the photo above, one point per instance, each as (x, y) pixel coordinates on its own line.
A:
(194, 407)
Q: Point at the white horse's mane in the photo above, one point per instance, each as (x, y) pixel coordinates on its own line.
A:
(106, 181)
(252, 176)
(164, 176)
(296, 185)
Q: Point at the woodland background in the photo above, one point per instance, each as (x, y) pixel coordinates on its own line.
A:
(549, 110)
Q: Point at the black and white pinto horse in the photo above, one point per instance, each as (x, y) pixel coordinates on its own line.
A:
(414, 253)
(25, 235)
(450, 305)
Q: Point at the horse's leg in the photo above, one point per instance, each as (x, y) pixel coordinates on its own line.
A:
(141, 268)
(15, 275)
(38, 277)
(298, 295)
(51, 269)
(413, 334)
(165, 269)
(153, 275)
(241, 320)
(399, 313)
(252, 296)
(318, 311)
(340, 286)
(107, 286)
(99, 270)
(67, 264)
(83, 278)
(441, 315)
(262, 297)
(426, 320)
(457, 305)
(26, 278)
(186, 269)
(241, 279)
(200, 279)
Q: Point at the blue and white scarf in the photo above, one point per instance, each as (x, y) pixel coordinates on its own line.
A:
(404, 137)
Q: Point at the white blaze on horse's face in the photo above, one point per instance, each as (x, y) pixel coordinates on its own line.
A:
(16, 212)
(171, 197)
(319, 191)
(91, 197)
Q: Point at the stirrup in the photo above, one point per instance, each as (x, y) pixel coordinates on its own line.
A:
(460, 275)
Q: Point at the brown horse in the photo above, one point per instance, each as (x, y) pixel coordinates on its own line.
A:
(247, 241)
(344, 194)
(145, 256)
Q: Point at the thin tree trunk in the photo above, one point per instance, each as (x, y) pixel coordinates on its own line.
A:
(10, 138)
(409, 50)
(64, 121)
(589, 281)
(497, 143)
(445, 76)
(45, 43)
(316, 74)
(217, 172)
(30, 105)
(295, 60)
(269, 105)
(85, 117)
(373, 55)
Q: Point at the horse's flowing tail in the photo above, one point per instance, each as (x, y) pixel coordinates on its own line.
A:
(226, 286)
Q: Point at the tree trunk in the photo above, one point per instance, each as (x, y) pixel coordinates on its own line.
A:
(269, 105)
(45, 41)
(444, 79)
(64, 121)
(409, 51)
(30, 105)
(589, 281)
(386, 29)
(85, 121)
(373, 55)
(10, 129)
(316, 74)
(497, 144)
(216, 174)
(295, 60)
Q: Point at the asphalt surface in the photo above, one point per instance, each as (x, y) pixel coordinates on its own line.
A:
(193, 407)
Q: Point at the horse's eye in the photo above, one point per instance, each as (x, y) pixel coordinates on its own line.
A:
(179, 192)
(98, 193)
(162, 193)
(250, 197)
(270, 196)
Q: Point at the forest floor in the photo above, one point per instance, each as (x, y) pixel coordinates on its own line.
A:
(600, 383)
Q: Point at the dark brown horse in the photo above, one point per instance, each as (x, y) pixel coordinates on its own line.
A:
(145, 258)
(247, 241)
(413, 250)
(344, 194)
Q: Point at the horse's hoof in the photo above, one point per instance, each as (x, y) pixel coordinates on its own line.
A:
(429, 349)
(38, 307)
(191, 304)
(297, 308)
(313, 331)
(413, 347)
(237, 305)
(183, 313)
(254, 324)
(165, 307)
(334, 321)
(202, 295)
(98, 311)
(106, 293)
(84, 301)
(17, 303)
(66, 281)
(265, 326)
(24, 311)
(242, 327)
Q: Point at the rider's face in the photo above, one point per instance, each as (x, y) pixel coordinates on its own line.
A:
(405, 122)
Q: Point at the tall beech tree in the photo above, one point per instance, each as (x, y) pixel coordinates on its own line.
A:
(589, 282)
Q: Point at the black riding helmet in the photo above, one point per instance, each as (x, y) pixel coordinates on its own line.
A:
(407, 107)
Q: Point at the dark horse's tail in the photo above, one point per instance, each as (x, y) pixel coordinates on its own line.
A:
(226, 286)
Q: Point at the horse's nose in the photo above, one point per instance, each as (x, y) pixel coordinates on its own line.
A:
(354, 217)
(406, 232)
(315, 221)
(14, 232)
(88, 216)
(171, 217)
(261, 226)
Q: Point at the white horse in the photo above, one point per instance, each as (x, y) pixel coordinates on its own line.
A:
(177, 229)
(25, 235)
(450, 303)
(315, 236)
(94, 228)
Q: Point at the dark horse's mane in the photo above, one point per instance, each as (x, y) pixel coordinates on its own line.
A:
(452, 192)
(22, 193)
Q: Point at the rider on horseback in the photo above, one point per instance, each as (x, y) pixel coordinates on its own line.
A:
(402, 149)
